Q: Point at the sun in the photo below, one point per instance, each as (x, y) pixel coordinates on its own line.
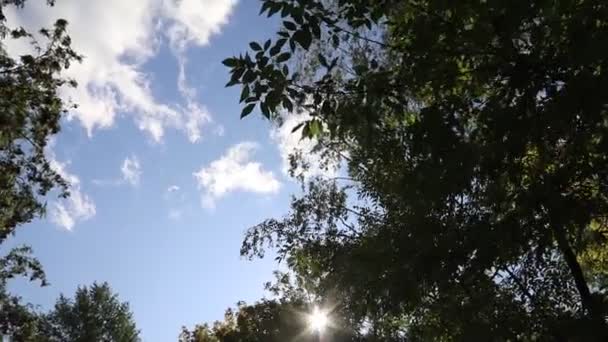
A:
(318, 320)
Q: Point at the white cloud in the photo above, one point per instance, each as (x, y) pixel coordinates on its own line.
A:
(117, 37)
(235, 171)
(76, 208)
(289, 142)
(173, 188)
(197, 115)
(131, 170)
(195, 20)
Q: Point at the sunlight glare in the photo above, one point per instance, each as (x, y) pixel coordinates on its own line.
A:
(318, 320)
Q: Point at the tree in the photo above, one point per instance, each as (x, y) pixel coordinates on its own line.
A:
(474, 137)
(200, 333)
(95, 314)
(31, 111)
(18, 320)
(270, 320)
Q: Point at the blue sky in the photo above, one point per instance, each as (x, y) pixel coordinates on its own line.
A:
(165, 176)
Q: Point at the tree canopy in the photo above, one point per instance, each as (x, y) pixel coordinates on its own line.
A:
(271, 320)
(94, 314)
(31, 111)
(17, 319)
(474, 136)
(471, 201)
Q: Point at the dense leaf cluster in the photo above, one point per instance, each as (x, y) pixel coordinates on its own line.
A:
(269, 320)
(31, 111)
(17, 319)
(94, 314)
(475, 137)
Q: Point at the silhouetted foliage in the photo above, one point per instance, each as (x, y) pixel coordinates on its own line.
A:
(31, 111)
(475, 138)
(17, 319)
(270, 320)
(94, 314)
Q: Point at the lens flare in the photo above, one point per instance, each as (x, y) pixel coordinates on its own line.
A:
(318, 320)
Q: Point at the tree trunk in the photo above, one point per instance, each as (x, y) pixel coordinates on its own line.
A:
(589, 304)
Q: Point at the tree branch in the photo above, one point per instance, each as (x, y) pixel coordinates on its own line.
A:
(589, 305)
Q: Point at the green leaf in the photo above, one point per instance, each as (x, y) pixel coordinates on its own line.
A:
(274, 8)
(333, 63)
(247, 110)
(283, 57)
(244, 93)
(323, 61)
(287, 104)
(265, 110)
(335, 40)
(277, 47)
(306, 130)
(255, 46)
(297, 127)
(360, 69)
(304, 38)
(285, 10)
(315, 127)
(265, 6)
(230, 62)
(297, 16)
(272, 100)
(289, 25)
(263, 61)
(231, 83)
(249, 76)
(267, 45)
(237, 73)
(316, 30)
